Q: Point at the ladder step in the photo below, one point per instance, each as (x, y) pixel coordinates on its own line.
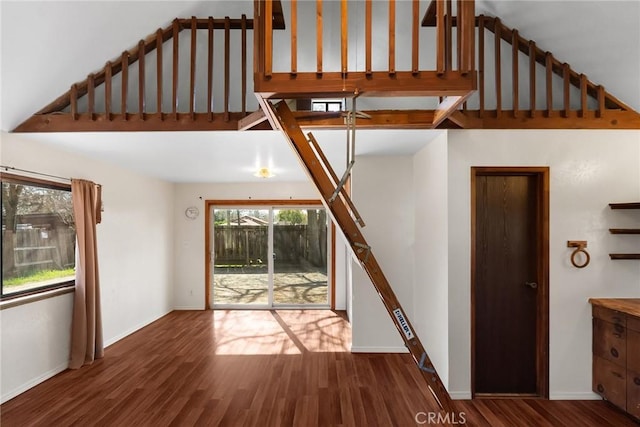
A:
(341, 209)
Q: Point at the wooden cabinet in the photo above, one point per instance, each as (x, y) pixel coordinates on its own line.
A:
(616, 352)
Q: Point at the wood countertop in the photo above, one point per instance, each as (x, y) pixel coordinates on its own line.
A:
(625, 305)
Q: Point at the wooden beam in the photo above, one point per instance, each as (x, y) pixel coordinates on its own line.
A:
(334, 84)
(379, 119)
(447, 107)
(615, 119)
(251, 120)
(464, 121)
(273, 121)
(152, 122)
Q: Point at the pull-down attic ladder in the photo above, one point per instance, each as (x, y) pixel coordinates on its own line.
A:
(347, 218)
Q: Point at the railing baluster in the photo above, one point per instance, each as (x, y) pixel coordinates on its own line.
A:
(549, 70)
(91, 94)
(159, 73)
(481, 65)
(601, 106)
(344, 35)
(532, 79)
(392, 36)
(192, 86)
(367, 35)
(440, 37)
(74, 101)
(210, 70)
(514, 79)
(294, 37)
(583, 95)
(319, 36)
(415, 38)
(243, 27)
(448, 36)
(227, 51)
(176, 34)
(268, 38)
(125, 84)
(107, 90)
(498, 71)
(471, 31)
(141, 79)
(459, 14)
(567, 87)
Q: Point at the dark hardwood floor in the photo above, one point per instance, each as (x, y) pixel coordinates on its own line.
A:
(264, 368)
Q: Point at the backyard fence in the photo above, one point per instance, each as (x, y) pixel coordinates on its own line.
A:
(248, 245)
(38, 249)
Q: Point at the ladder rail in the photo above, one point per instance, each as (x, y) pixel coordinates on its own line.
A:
(341, 216)
(343, 192)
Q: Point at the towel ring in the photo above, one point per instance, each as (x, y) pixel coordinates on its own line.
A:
(579, 246)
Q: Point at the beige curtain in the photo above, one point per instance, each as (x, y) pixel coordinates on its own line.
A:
(86, 334)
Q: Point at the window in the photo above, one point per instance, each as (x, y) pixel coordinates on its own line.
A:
(38, 236)
(327, 105)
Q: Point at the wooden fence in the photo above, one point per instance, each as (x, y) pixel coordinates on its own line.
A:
(248, 245)
(39, 249)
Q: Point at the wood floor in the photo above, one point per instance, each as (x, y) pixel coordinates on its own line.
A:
(264, 368)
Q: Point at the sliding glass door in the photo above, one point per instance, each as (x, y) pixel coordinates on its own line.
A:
(264, 257)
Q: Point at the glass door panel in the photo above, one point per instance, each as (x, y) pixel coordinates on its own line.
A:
(300, 257)
(241, 257)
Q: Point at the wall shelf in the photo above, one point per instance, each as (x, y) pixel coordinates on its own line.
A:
(624, 256)
(624, 230)
(630, 205)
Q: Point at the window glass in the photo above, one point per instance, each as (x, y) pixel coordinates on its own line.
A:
(38, 236)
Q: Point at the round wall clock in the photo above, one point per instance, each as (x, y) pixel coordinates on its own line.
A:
(191, 212)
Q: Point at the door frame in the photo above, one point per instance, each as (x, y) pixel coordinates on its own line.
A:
(542, 302)
(269, 203)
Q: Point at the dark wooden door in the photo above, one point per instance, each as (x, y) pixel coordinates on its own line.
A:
(506, 283)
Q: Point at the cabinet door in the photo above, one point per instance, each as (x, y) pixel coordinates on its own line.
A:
(633, 350)
(633, 393)
(609, 341)
(609, 381)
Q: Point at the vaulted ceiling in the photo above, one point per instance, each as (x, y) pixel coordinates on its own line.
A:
(48, 45)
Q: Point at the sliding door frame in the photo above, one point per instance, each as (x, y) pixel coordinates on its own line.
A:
(270, 204)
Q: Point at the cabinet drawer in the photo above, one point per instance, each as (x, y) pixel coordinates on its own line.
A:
(609, 381)
(609, 341)
(610, 316)
(633, 323)
(633, 393)
(633, 350)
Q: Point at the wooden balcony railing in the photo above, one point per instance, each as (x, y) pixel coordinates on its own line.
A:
(160, 85)
(357, 73)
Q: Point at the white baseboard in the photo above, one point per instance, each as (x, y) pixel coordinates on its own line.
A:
(360, 349)
(189, 307)
(460, 395)
(576, 395)
(32, 383)
(139, 326)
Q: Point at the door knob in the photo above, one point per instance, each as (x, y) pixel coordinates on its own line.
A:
(532, 285)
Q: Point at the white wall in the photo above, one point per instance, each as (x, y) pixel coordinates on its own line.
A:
(431, 290)
(135, 249)
(588, 169)
(383, 193)
(189, 290)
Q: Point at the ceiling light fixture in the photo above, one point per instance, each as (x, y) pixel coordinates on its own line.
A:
(264, 173)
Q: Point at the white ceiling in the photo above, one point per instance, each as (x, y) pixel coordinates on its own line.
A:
(47, 45)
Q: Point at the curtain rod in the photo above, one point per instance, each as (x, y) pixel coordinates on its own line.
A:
(11, 168)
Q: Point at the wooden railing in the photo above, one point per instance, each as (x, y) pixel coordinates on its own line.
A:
(551, 66)
(313, 77)
(167, 93)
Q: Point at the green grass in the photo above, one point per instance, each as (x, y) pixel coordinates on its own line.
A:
(39, 276)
